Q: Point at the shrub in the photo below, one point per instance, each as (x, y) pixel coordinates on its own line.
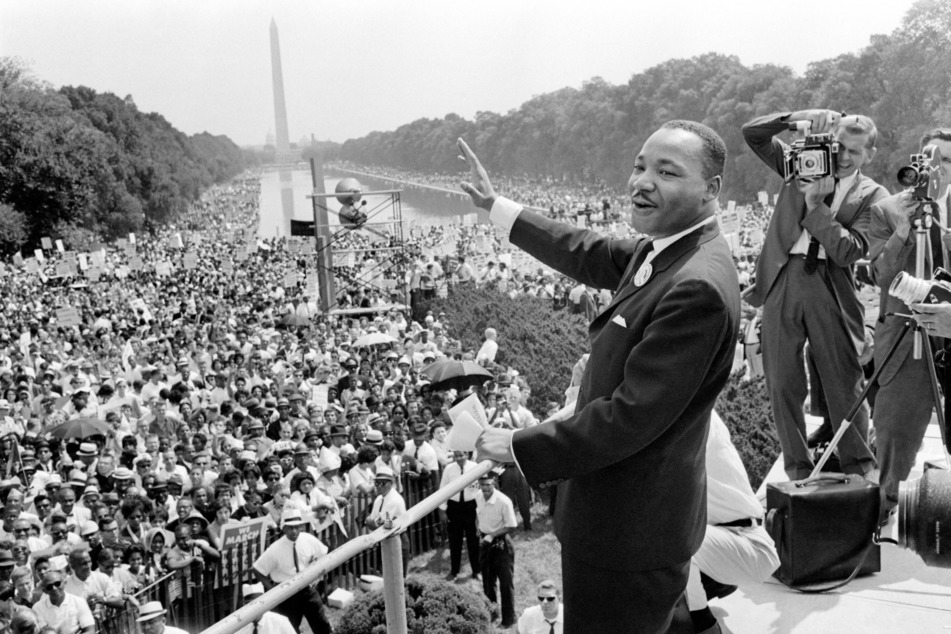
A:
(541, 343)
(744, 407)
(433, 606)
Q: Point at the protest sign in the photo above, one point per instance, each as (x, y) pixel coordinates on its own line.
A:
(246, 532)
(47, 243)
(68, 316)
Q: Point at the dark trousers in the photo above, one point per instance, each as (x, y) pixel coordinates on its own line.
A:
(514, 485)
(498, 564)
(634, 602)
(801, 307)
(462, 524)
(306, 603)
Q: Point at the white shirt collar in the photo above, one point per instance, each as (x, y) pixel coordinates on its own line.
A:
(662, 243)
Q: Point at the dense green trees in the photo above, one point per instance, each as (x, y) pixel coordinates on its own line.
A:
(77, 163)
(902, 80)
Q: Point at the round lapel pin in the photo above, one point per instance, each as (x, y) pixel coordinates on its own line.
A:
(643, 274)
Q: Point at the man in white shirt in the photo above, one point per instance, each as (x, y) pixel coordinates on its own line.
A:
(736, 549)
(388, 505)
(283, 560)
(497, 559)
(459, 514)
(420, 449)
(62, 611)
(490, 347)
(91, 585)
(548, 617)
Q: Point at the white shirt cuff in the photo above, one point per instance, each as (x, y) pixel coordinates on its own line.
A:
(512, 437)
(504, 212)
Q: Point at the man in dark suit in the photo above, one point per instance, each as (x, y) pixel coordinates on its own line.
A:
(804, 283)
(904, 401)
(629, 462)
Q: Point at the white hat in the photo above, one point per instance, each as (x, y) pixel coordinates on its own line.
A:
(249, 590)
(89, 528)
(291, 517)
(328, 461)
(149, 611)
(384, 473)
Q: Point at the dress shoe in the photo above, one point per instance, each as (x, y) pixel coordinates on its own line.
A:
(821, 435)
(715, 589)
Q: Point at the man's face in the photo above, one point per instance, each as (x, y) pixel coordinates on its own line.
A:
(81, 564)
(667, 187)
(487, 487)
(853, 152)
(53, 587)
(291, 532)
(945, 148)
(105, 465)
(549, 600)
(67, 498)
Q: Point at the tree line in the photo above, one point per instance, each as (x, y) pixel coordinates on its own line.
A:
(901, 80)
(84, 166)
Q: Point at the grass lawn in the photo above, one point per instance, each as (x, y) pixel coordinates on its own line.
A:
(537, 557)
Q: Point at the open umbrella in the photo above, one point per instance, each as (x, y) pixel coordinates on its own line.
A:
(458, 375)
(293, 319)
(373, 339)
(79, 428)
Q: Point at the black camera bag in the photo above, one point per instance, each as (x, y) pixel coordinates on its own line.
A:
(823, 528)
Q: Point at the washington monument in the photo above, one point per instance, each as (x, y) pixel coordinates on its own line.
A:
(280, 109)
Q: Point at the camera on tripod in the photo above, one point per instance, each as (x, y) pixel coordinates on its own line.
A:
(813, 156)
(923, 173)
(913, 290)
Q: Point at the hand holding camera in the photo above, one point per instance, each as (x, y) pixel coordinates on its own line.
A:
(815, 190)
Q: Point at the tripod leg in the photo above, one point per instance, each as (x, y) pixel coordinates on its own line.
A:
(858, 402)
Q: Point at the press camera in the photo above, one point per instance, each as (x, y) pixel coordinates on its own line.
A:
(913, 290)
(813, 156)
(923, 173)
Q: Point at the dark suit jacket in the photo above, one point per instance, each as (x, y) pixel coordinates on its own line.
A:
(843, 236)
(632, 455)
(889, 255)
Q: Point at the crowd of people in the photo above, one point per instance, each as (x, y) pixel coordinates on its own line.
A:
(152, 394)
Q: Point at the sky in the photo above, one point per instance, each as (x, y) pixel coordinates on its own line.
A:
(354, 66)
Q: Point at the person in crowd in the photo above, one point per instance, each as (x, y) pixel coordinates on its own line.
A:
(904, 401)
(459, 515)
(496, 518)
(285, 558)
(152, 616)
(388, 506)
(61, 610)
(804, 282)
(548, 617)
(269, 621)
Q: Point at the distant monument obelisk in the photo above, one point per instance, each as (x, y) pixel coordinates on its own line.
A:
(280, 108)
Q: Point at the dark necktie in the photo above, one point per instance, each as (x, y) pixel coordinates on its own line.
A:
(551, 625)
(937, 252)
(462, 494)
(294, 550)
(255, 631)
(812, 255)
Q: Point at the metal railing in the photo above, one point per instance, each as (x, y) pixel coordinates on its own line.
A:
(392, 559)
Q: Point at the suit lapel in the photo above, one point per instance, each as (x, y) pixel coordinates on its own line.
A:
(851, 203)
(659, 264)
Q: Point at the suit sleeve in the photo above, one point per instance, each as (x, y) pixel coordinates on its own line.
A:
(760, 135)
(663, 373)
(888, 253)
(585, 256)
(843, 245)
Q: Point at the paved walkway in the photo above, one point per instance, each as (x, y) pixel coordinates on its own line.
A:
(906, 596)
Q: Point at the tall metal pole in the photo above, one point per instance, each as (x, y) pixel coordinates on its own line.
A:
(325, 257)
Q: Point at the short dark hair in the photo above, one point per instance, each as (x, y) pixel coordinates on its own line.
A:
(942, 134)
(714, 149)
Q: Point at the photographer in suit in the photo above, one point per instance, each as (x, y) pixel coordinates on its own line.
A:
(904, 402)
(804, 282)
(629, 462)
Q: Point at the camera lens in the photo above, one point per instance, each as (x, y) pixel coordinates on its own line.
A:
(924, 517)
(809, 163)
(908, 176)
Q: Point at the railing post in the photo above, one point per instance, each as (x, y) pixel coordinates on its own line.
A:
(394, 593)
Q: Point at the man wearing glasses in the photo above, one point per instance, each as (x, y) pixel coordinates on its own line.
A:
(66, 613)
(548, 617)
